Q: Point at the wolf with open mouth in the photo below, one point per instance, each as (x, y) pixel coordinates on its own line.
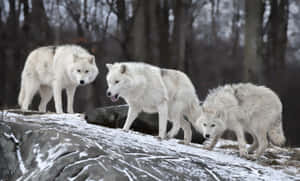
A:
(151, 89)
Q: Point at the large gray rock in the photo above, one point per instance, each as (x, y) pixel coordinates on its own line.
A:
(115, 116)
(65, 147)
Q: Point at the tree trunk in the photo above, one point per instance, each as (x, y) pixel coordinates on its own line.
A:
(39, 25)
(152, 31)
(179, 33)
(213, 13)
(12, 20)
(85, 14)
(123, 25)
(26, 23)
(235, 29)
(277, 35)
(164, 35)
(253, 64)
(138, 33)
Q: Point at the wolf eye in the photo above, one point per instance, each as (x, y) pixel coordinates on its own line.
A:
(78, 70)
(213, 125)
(86, 71)
(204, 124)
(117, 81)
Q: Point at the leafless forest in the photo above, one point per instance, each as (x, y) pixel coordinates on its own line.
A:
(213, 41)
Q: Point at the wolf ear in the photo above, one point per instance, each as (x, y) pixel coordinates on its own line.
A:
(108, 66)
(123, 69)
(92, 59)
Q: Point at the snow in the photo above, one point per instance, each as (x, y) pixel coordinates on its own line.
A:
(170, 152)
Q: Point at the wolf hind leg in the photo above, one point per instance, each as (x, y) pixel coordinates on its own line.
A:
(254, 145)
(46, 95)
(21, 94)
(186, 126)
(241, 140)
(262, 143)
(175, 127)
(31, 87)
(163, 119)
(57, 94)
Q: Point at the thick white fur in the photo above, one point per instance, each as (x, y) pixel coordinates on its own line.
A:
(151, 89)
(243, 108)
(51, 69)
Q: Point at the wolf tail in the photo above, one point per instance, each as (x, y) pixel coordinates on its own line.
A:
(276, 134)
(21, 94)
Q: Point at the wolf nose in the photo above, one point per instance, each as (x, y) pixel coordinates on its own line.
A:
(81, 81)
(207, 136)
(108, 94)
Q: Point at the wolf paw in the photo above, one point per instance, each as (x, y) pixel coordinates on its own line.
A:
(168, 138)
(184, 142)
(164, 137)
(125, 130)
(244, 153)
(158, 138)
(250, 150)
(251, 157)
(207, 147)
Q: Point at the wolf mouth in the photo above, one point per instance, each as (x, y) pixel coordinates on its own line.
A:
(114, 98)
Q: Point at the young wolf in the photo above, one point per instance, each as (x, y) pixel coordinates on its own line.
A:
(243, 108)
(51, 69)
(151, 89)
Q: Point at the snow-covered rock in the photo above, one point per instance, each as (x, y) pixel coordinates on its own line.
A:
(65, 147)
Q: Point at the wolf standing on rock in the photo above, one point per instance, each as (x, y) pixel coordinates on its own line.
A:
(242, 108)
(51, 69)
(151, 89)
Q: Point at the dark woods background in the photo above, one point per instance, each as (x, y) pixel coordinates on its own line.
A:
(213, 41)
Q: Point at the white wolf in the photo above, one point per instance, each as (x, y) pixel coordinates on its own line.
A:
(51, 69)
(243, 108)
(151, 89)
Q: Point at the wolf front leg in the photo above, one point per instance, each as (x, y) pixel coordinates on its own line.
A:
(241, 140)
(70, 95)
(186, 126)
(212, 143)
(57, 89)
(132, 114)
(163, 118)
(175, 128)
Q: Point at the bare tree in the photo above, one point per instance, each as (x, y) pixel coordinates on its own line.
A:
(235, 27)
(277, 35)
(152, 31)
(214, 15)
(179, 33)
(138, 32)
(253, 61)
(12, 20)
(74, 10)
(164, 36)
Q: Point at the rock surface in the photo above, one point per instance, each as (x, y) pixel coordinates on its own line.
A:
(65, 147)
(115, 116)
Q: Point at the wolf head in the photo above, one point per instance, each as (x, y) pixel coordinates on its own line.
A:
(211, 124)
(118, 80)
(83, 70)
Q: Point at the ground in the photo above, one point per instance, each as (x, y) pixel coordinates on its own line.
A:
(65, 147)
